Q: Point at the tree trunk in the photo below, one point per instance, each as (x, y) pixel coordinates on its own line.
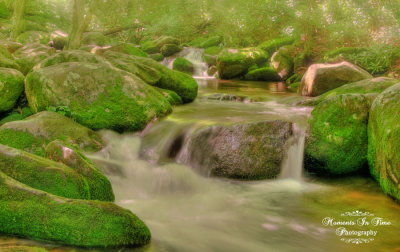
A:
(80, 22)
(18, 18)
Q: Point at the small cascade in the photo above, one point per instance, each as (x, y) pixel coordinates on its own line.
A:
(292, 166)
(195, 56)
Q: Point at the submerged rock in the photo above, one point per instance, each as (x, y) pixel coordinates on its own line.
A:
(321, 78)
(384, 140)
(338, 135)
(43, 174)
(97, 96)
(243, 151)
(11, 88)
(35, 214)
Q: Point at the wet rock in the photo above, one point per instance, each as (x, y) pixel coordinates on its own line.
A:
(212, 70)
(321, 78)
(384, 140)
(11, 88)
(241, 151)
(154, 46)
(35, 214)
(338, 135)
(169, 49)
(183, 65)
(282, 62)
(96, 96)
(263, 74)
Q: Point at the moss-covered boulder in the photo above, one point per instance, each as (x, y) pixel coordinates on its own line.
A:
(373, 86)
(35, 214)
(4, 52)
(169, 49)
(32, 37)
(183, 65)
(11, 88)
(321, 78)
(172, 97)
(35, 132)
(384, 140)
(282, 62)
(129, 49)
(210, 42)
(157, 56)
(16, 114)
(15, 248)
(338, 135)
(99, 186)
(212, 70)
(154, 46)
(43, 174)
(272, 46)
(30, 55)
(156, 74)
(58, 39)
(8, 63)
(242, 151)
(263, 74)
(69, 56)
(97, 96)
(210, 55)
(95, 38)
(233, 63)
(11, 46)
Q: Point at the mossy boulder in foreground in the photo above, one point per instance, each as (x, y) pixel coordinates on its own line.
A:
(35, 132)
(242, 151)
(384, 140)
(97, 96)
(338, 135)
(43, 174)
(35, 214)
(11, 87)
(321, 78)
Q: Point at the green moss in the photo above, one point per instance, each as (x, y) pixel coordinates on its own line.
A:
(129, 49)
(169, 49)
(95, 38)
(30, 55)
(99, 186)
(16, 115)
(11, 88)
(157, 56)
(31, 37)
(338, 135)
(70, 56)
(23, 141)
(154, 46)
(5, 53)
(343, 50)
(43, 174)
(22, 249)
(210, 42)
(34, 214)
(172, 97)
(5, 13)
(273, 45)
(214, 50)
(183, 65)
(294, 86)
(263, 74)
(294, 78)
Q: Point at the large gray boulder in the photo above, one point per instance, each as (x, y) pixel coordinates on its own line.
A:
(321, 78)
(243, 151)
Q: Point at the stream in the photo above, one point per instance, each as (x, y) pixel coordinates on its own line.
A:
(186, 211)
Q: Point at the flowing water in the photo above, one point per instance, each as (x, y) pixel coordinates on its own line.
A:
(186, 211)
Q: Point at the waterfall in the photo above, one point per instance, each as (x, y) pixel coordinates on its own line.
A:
(195, 56)
(292, 166)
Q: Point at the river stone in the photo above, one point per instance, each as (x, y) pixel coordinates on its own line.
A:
(282, 62)
(30, 55)
(169, 49)
(373, 86)
(233, 63)
(43, 174)
(35, 132)
(384, 140)
(183, 65)
(338, 135)
(97, 96)
(242, 151)
(155, 74)
(11, 88)
(99, 186)
(321, 78)
(129, 49)
(263, 74)
(35, 214)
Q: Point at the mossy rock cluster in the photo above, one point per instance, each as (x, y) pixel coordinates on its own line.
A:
(263, 74)
(32, 37)
(129, 49)
(95, 38)
(272, 46)
(232, 63)
(169, 50)
(30, 55)
(11, 88)
(154, 46)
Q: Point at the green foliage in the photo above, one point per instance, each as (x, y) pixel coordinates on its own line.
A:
(16, 115)
(214, 50)
(273, 45)
(263, 74)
